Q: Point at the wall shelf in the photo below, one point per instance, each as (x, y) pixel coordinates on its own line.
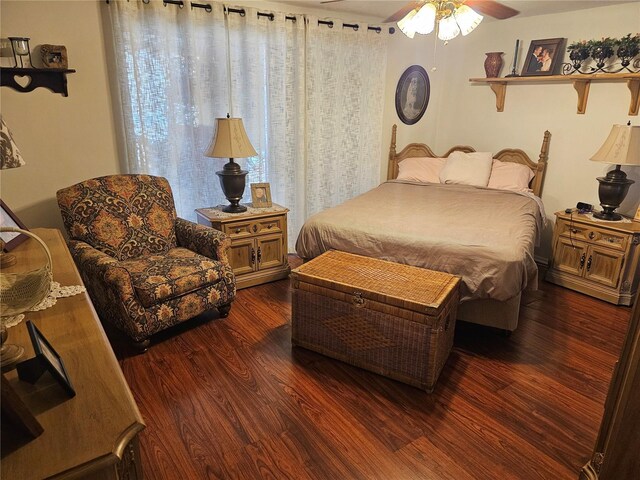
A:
(28, 79)
(581, 83)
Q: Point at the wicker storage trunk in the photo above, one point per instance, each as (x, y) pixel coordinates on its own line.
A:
(391, 319)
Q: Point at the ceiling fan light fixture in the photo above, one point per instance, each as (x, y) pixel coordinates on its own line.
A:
(467, 19)
(425, 19)
(448, 28)
(407, 25)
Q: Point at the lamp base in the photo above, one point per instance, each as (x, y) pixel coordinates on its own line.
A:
(232, 181)
(612, 191)
(10, 354)
(608, 216)
(234, 208)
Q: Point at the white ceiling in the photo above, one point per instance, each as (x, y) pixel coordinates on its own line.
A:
(383, 9)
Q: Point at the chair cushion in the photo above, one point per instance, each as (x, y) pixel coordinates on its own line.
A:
(157, 278)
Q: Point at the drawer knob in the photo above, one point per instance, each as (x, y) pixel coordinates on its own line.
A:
(582, 259)
(238, 230)
(255, 228)
(574, 230)
(591, 235)
(270, 226)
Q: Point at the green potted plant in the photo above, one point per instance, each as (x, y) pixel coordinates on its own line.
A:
(601, 50)
(578, 52)
(628, 48)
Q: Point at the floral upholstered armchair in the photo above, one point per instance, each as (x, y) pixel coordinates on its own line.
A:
(145, 269)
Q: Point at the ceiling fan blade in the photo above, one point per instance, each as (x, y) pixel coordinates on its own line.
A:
(332, 1)
(402, 12)
(492, 8)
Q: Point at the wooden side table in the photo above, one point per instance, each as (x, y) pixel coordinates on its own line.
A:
(595, 257)
(258, 242)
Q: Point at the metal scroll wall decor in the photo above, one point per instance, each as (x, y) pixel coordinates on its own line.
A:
(626, 49)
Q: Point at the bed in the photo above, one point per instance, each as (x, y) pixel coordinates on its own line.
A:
(486, 236)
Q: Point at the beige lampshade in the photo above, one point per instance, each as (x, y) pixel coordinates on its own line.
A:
(10, 156)
(622, 146)
(230, 140)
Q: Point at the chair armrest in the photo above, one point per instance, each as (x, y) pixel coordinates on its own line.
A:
(204, 240)
(100, 270)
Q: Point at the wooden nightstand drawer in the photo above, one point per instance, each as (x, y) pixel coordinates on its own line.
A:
(572, 230)
(270, 225)
(592, 234)
(238, 229)
(611, 239)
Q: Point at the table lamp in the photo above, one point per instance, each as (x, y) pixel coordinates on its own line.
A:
(622, 147)
(10, 157)
(230, 141)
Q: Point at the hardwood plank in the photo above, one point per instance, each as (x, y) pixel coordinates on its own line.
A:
(230, 398)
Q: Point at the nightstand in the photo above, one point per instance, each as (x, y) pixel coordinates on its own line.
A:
(595, 257)
(258, 251)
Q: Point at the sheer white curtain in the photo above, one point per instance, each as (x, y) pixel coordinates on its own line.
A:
(172, 70)
(310, 96)
(345, 80)
(267, 91)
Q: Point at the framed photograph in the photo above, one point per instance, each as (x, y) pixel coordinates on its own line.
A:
(260, 195)
(10, 240)
(544, 57)
(54, 56)
(46, 359)
(17, 412)
(412, 94)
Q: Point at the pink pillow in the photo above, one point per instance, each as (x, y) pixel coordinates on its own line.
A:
(510, 176)
(421, 169)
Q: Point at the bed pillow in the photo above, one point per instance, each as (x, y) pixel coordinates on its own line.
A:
(510, 176)
(467, 168)
(421, 169)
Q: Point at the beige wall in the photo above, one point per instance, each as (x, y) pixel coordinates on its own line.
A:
(462, 113)
(63, 140)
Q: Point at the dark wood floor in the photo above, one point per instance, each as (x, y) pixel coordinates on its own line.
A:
(231, 399)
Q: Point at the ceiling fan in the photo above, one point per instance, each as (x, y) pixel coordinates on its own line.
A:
(449, 18)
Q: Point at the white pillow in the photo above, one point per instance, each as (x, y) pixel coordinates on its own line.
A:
(467, 168)
(421, 169)
(510, 176)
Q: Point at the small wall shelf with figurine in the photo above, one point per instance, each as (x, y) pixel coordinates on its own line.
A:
(581, 83)
(28, 79)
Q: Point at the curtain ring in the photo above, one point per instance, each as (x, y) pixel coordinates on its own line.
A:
(146, 2)
(272, 17)
(356, 27)
(330, 24)
(242, 13)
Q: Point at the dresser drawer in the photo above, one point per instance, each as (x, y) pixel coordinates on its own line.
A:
(573, 230)
(592, 234)
(239, 229)
(610, 239)
(244, 228)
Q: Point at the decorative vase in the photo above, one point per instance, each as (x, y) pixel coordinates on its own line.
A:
(600, 54)
(627, 53)
(493, 64)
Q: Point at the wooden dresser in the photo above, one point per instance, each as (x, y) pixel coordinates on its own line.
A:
(258, 242)
(94, 434)
(597, 258)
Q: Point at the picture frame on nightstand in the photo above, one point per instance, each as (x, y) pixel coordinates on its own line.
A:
(261, 195)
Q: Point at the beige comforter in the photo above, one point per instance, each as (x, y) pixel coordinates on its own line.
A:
(485, 236)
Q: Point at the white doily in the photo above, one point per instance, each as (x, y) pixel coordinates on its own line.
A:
(57, 291)
(623, 220)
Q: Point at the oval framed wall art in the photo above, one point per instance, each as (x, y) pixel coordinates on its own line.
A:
(412, 94)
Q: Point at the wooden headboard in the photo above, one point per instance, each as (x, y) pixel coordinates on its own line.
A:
(507, 155)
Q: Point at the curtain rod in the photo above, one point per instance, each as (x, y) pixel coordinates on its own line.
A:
(270, 16)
